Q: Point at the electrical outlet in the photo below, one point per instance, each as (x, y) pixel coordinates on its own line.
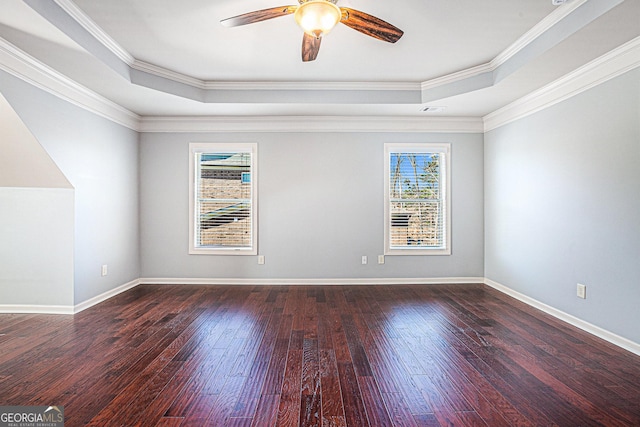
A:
(582, 291)
(104, 270)
(364, 259)
(380, 259)
(260, 259)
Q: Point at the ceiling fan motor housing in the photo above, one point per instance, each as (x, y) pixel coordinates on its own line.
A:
(317, 17)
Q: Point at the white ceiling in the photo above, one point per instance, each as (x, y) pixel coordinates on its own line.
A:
(164, 57)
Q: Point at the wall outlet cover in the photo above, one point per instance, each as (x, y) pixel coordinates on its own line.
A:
(581, 291)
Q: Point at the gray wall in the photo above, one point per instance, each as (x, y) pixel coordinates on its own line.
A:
(562, 205)
(320, 208)
(100, 160)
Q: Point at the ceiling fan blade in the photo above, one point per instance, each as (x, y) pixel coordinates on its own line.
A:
(310, 47)
(370, 25)
(258, 15)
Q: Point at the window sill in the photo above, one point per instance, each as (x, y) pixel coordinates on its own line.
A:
(417, 252)
(212, 251)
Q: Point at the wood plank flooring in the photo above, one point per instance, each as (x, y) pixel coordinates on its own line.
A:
(462, 355)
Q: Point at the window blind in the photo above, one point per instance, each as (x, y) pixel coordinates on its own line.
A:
(223, 200)
(416, 211)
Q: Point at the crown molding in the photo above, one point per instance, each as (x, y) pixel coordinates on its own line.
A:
(536, 31)
(25, 67)
(311, 124)
(610, 65)
(29, 69)
(210, 85)
(520, 44)
(458, 76)
(616, 62)
(165, 73)
(95, 30)
(320, 86)
(557, 26)
(20, 64)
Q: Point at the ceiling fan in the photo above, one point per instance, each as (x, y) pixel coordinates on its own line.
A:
(317, 18)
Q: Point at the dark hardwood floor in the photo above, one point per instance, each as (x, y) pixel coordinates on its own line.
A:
(459, 355)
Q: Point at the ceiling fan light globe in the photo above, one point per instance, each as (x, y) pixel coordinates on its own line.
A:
(317, 17)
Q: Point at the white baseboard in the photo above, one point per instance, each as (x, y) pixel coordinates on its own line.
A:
(301, 281)
(35, 309)
(105, 296)
(65, 309)
(55, 309)
(572, 320)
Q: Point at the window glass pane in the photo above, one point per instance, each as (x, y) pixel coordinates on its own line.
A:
(415, 176)
(224, 200)
(416, 211)
(416, 224)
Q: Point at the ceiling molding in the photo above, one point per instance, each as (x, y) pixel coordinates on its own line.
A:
(557, 26)
(564, 21)
(519, 45)
(457, 76)
(269, 85)
(95, 30)
(164, 73)
(613, 64)
(364, 93)
(308, 85)
(618, 61)
(539, 29)
(25, 67)
(464, 81)
(288, 124)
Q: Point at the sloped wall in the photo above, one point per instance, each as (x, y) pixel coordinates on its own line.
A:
(100, 160)
(36, 222)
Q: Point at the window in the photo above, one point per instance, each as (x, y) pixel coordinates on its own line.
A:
(417, 199)
(223, 199)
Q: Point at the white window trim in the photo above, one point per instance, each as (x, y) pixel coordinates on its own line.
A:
(426, 147)
(205, 147)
